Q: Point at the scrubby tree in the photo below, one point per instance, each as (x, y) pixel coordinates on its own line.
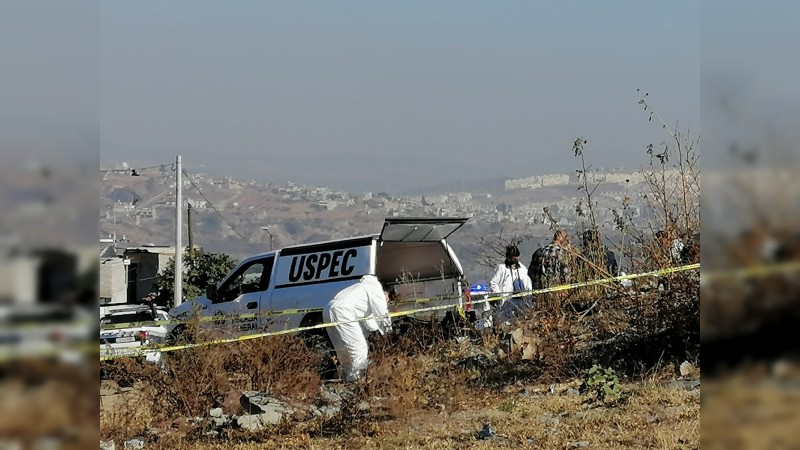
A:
(503, 208)
(200, 269)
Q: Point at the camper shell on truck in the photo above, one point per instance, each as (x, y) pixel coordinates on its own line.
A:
(261, 292)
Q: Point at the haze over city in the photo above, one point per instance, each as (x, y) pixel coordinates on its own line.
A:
(389, 97)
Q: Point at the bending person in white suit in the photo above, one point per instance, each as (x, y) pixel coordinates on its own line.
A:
(368, 300)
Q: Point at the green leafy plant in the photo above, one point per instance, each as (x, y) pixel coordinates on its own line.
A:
(603, 382)
(200, 269)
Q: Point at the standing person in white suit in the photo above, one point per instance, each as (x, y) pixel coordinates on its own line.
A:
(368, 299)
(510, 277)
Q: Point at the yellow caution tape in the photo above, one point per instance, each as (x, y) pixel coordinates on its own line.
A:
(130, 351)
(415, 301)
(108, 354)
(118, 326)
(46, 351)
(53, 326)
(750, 272)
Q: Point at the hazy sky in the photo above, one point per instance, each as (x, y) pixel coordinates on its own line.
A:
(365, 95)
(749, 73)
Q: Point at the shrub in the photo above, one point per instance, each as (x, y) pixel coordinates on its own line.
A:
(601, 381)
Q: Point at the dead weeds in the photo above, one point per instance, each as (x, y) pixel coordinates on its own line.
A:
(431, 387)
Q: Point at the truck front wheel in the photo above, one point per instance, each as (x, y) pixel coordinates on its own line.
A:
(179, 335)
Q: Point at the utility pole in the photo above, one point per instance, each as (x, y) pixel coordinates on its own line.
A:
(114, 226)
(189, 228)
(178, 290)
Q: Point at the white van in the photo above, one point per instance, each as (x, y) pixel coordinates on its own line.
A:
(410, 253)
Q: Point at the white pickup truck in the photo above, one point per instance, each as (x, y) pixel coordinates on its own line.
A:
(131, 339)
(412, 254)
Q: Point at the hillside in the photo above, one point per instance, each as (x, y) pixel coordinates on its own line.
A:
(228, 215)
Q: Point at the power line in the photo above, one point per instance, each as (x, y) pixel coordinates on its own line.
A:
(134, 171)
(215, 209)
(139, 203)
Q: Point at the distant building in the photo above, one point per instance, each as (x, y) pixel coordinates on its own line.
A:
(148, 213)
(230, 183)
(622, 177)
(128, 274)
(30, 275)
(535, 182)
(326, 205)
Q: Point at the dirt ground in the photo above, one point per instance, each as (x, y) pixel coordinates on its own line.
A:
(651, 414)
(754, 408)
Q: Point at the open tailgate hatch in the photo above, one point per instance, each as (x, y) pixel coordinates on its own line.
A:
(420, 229)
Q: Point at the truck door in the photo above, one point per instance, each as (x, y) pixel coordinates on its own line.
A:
(240, 295)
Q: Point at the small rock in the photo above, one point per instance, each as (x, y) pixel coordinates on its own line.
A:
(255, 402)
(330, 410)
(572, 391)
(216, 412)
(688, 369)
(579, 444)
(529, 351)
(257, 422)
(133, 444)
(250, 423)
(688, 385)
(785, 369)
(486, 432)
(325, 411)
(108, 445)
(517, 336)
(231, 403)
(220, 422)
(212, 433)
(328, 394)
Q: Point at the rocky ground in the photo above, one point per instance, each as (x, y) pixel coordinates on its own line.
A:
(648, 414)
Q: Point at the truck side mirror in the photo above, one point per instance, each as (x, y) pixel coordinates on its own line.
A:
(211, 292)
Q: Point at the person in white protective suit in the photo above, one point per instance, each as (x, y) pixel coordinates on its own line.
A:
(510, 277)
(368, 299)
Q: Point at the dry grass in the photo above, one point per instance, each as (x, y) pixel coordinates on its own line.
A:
(434, 387)
(48, 398)
(424, 389)
(654, 417)
(752, 408)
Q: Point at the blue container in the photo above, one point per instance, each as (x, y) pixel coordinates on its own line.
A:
(478, 289)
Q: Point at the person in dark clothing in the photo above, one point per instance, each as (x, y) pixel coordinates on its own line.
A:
(596, 252)
(551, 264)
(535, 268)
